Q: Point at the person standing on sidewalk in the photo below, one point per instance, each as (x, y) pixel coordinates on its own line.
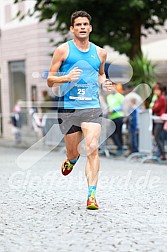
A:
(16, 120)
(133, 125)
(115, 113)
(159, 108)
(77, 68)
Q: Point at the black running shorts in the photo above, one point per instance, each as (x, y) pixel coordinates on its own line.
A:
(70, 119)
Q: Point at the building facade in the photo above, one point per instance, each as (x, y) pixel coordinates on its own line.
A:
(25, 50)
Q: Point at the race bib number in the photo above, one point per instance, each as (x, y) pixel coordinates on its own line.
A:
(80, 92)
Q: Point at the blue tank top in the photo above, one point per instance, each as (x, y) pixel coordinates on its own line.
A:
(82, 93)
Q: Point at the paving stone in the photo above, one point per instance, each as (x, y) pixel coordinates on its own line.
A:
(43, 211)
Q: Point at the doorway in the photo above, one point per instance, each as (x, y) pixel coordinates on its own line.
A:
(18, 86)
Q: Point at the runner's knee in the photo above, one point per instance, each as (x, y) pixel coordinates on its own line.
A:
(72, 154)
(92, 148)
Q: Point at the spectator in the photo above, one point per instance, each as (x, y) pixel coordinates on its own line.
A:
(36, 123)
(45, 108)
(133, 125)
(16, 120)
(46, 103)
(115, 113)
(131, 96)
(158, 109)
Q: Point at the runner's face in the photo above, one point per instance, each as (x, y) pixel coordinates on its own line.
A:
(81, 28)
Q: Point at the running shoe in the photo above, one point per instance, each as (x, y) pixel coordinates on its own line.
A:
(92, 204)
(67, 167)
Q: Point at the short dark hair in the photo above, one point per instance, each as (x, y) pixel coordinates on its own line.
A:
(80, 13)
(159, 86)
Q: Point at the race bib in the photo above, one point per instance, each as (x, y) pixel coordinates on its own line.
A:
(81, 92)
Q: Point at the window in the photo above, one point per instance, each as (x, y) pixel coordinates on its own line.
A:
(17, 84)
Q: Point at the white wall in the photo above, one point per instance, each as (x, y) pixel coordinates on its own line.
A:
(10, 21)
(26, 40)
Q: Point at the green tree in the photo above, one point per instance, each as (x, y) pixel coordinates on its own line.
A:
(143, 70)
(115, 23)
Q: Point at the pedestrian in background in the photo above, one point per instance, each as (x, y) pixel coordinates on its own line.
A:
(115, 113)
(132, 100)
(133, 125)
(45, 108)
(159, 108)
(16, 120)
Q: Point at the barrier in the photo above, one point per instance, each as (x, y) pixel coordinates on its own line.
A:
(145, 132)
(145, 138)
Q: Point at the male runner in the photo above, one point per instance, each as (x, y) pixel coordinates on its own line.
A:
(77, 66)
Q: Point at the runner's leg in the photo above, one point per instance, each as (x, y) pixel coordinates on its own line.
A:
(72, 142)
(91, 132)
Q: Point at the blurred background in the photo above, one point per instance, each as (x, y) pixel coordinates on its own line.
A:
(134, 31)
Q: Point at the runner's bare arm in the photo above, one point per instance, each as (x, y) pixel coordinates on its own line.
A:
(106, 84)
(59, 56)
(102, 55)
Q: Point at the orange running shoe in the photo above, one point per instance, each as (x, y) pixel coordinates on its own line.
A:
(67, 167)
(92, 204)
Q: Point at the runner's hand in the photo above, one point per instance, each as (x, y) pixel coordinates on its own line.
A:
(107, 85)
(74, 74)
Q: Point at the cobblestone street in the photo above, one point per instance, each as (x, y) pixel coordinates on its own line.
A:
(42, 211)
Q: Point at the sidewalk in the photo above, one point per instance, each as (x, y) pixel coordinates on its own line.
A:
(10, 143)
(39, 144)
